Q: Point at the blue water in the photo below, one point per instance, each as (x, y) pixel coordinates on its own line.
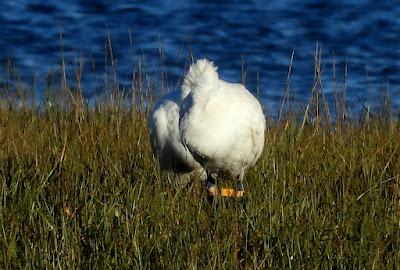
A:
(262, 33)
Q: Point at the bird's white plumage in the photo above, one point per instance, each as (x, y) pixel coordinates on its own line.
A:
(209, 125)
(165, 137)
(221, 124)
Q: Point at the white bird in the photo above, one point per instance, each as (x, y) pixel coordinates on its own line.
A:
(166, 142)
(210, 126)
(221, 124)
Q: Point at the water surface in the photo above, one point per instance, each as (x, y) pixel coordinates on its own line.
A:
(262, 33)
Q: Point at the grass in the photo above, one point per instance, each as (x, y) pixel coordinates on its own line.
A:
(80, 188)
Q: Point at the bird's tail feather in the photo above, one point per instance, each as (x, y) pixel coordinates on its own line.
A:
(201, 72)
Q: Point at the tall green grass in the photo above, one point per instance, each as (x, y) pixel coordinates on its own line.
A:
(80, 188)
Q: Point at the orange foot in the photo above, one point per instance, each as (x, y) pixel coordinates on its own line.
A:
(230, 192)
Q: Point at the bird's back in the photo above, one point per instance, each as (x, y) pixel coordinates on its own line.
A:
(222, 125)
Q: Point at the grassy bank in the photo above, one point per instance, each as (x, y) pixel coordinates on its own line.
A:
(80, 188)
